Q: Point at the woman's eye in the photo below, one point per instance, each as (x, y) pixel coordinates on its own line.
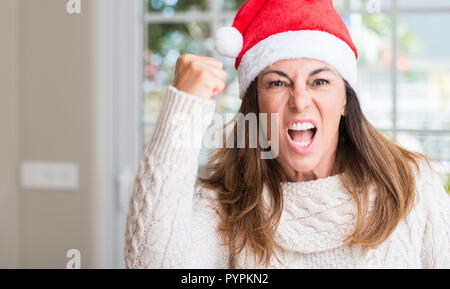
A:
(277, 83)
(320, 82)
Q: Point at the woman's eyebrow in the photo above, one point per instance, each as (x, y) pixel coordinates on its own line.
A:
(281, 73)
(318, 70)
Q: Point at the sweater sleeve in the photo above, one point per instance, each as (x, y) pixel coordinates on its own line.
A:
(172, 220)
(436, 239)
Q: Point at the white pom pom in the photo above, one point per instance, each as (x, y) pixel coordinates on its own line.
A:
(228, 41)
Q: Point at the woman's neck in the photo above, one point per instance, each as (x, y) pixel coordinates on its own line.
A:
(323, 170)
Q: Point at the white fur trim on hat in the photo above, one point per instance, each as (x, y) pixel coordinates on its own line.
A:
(228, 41)
(297, 44)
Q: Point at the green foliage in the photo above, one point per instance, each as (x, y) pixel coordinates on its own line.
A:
(181, 36)
(178, 5)
(378, 23)
(233, 5)
(382, 25)
(407, 42)
(447, 184)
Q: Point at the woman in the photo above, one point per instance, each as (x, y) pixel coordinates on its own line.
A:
(337, 194)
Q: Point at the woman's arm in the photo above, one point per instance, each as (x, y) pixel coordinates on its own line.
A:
(170, 223)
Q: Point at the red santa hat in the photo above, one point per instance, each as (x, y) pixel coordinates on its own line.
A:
(265, 31)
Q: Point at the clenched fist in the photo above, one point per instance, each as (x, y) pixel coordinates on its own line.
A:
(201, 76)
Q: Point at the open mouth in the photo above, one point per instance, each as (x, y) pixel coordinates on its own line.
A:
(301, 135)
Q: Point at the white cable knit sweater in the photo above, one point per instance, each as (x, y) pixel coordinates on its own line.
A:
(172, 220)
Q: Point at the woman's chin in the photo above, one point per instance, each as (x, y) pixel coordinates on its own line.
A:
(297, 163)
(303, 167)
(302, 164)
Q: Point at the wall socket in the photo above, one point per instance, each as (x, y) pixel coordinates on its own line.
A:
(50, 175)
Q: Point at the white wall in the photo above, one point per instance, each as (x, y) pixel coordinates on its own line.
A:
(69, 92)
(55, 99)
(8, 138)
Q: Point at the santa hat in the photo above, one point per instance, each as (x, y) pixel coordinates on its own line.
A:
(265, 31)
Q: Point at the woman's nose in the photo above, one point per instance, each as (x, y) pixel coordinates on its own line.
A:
(300, 99)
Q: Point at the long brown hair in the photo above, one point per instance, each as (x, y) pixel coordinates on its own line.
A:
(364, 157)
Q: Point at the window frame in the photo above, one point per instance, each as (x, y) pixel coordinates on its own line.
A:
(119, 76)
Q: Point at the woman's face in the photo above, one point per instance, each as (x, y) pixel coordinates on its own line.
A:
(309, 96)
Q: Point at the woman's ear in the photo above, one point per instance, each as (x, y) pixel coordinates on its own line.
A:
(344, 107)
(344, 110)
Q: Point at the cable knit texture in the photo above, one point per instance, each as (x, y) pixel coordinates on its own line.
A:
(172, 219)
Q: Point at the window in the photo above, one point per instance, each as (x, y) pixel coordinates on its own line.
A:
(404, 63)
